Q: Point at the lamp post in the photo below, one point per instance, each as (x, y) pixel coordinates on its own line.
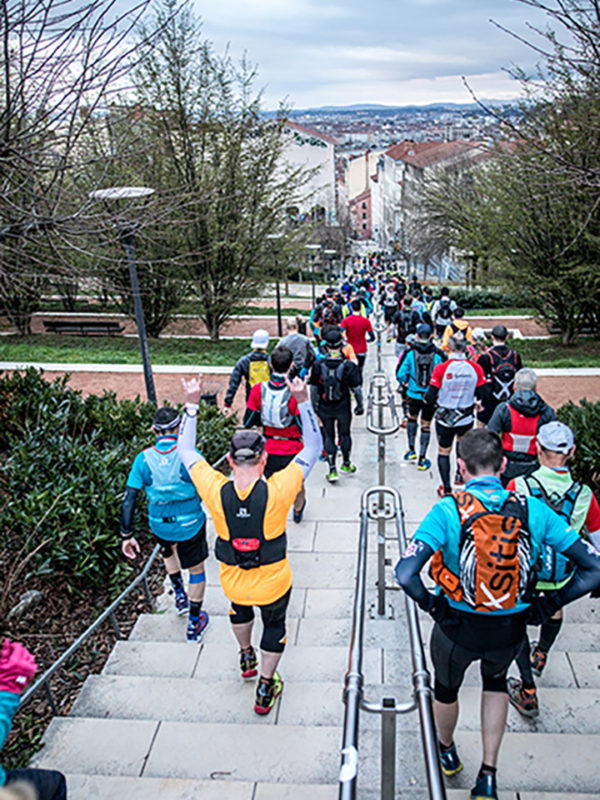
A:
(276, 238)
(126, 234)
(313, 250)
(331, 254)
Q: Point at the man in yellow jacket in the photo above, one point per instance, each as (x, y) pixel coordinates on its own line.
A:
(458, 325)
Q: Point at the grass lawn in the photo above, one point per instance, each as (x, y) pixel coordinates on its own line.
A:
(120, 350)
(552, 353)
(499, 312)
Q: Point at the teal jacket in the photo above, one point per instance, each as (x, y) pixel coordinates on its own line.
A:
(9, 702)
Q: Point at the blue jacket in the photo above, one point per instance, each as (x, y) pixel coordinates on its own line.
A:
(407, 372)
(9, 702)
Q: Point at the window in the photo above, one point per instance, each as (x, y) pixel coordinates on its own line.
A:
(364, 227)
(363, 205)
(364, 215)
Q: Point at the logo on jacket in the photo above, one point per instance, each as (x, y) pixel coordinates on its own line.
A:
(243, 513)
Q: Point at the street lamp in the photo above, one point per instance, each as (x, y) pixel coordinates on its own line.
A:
(331, 254)
(276, 238)
(126, 233)
(313, 250)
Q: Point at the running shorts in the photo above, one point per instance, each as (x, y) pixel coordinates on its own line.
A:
(277, 462)
(190, 551)
(446, 435)
(416, 407)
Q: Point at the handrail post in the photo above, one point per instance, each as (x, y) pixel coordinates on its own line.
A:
(388, 748)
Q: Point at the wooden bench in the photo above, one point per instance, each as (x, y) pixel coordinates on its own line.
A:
(84, 327)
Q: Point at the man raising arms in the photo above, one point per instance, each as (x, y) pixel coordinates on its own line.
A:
(249, 515)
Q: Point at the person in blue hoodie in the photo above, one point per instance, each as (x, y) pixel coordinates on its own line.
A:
(175, 516)
(414, 374)
(483, 543)
(17, 668)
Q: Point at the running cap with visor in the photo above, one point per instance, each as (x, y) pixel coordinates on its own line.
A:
(556, 437)
(478, 333)
(333, 337)
(246, 446)
(260, 340)
(166, 419)
(423, 331)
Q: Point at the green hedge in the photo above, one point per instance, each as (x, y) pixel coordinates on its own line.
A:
(65, 463)
(487, 298)
(584, 421)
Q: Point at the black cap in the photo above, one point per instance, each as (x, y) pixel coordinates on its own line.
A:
(333, 337)
(166, 419)
(500, 332)
(246, 446)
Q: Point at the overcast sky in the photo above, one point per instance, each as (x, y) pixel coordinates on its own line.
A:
(396, 52)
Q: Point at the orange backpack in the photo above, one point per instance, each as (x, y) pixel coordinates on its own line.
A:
(494, 557)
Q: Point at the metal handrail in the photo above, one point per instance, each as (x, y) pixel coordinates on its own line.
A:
(388, 707)
(108, 613)
(380, 384)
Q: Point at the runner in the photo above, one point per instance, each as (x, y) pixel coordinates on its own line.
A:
(300, 345)
(253, 367)
(454, 387)
(442, 312)
(414, 287)
(390, 303)
(518, 422)
(333, 378)
(458, 325)
(552, 484)
(17, 668)
(175, 516)
(271, 405)
(415, 373)
(357, 327)
(249, 515)
(500, 365)
(479, 348)
(481, 605)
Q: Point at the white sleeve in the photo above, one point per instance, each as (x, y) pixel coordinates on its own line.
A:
(311, 435)
(186, 443)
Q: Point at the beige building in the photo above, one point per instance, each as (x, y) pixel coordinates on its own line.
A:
(313, 150)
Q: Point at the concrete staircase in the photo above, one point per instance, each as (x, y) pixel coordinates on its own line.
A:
(174, 721)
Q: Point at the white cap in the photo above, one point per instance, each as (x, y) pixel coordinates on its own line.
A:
(478, 333)
(260, 340)
(556, 437)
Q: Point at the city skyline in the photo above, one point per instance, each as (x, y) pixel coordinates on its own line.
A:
(312, 53)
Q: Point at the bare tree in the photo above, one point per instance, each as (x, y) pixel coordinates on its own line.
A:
(60, 62)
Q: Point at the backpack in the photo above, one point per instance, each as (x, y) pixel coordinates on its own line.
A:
(504, 369)
(494, 557)
(274, 406)
(554, 567)
(333, 390)
(258, 371)
(423, 367)
(390, 300)
(444, 310)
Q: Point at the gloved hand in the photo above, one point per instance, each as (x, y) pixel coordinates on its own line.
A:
(17, 667)
(440, 607)
(541, 609)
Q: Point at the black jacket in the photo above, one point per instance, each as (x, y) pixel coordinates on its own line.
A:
(527, 403)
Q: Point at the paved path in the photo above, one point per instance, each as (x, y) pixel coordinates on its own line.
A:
(170, 720)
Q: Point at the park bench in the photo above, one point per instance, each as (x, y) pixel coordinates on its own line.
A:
(84, 327)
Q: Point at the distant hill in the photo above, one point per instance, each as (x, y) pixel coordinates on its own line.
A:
(438, 108)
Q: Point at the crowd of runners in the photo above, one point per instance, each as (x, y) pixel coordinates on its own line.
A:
(510, 542)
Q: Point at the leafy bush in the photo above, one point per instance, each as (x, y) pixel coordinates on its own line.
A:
(66, 460)
(487, 298)
(584, 421)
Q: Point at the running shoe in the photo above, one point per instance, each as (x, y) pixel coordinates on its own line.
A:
(323, 456)
(248, 663)
(524, 700)
(332, 475)
(410, 455)
(267, 693)
(182, 603)
(485, 788)
(538, 659)
(424, 464)
(450, 760)
(359, 411)
(196, 627)
(298, 514)
(458, 479)
(348, 469)
(443, 492)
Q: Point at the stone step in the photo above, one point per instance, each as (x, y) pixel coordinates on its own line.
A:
(316, 703)
(307, 755)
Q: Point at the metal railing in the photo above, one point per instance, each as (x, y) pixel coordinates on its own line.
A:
(387, 707)
(43, 682)
(381, 397)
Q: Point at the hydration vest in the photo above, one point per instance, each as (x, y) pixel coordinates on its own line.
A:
(173, 503)
(494, 559)
(423, 367)
(274, 406)
(444, 311)
(247, 547)
(554, 566)
(523, 433)
(504, 369)
(333, 390)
